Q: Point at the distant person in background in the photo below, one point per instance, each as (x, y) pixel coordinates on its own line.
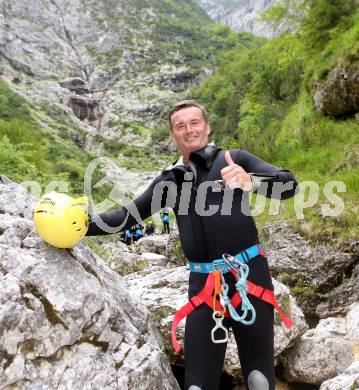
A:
(138, 233)
(150, 230)
(166, 222)
(128, 237)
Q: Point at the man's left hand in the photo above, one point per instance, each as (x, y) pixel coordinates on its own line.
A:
(235, 176)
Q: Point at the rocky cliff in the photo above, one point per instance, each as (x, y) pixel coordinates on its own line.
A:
(242, 15)
(105, 66)
(66, 319)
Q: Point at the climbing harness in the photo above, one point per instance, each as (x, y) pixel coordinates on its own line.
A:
(242, 271)
(221, 291)
(215, 293)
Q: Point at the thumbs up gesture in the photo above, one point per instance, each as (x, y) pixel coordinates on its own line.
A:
(235, 176)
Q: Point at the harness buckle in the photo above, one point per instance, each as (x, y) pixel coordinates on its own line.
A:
(219, 265)
(195, 301)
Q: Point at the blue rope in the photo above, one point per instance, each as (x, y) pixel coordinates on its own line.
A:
(241, 287)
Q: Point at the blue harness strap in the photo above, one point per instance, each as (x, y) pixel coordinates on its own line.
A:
(219, 264)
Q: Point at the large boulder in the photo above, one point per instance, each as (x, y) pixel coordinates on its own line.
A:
(153, 244)
(348, 380)
(324, 281)
(164, 290)
(320, 353)
(338, 94)
(66, 319)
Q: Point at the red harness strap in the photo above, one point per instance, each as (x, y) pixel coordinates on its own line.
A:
(205, 296)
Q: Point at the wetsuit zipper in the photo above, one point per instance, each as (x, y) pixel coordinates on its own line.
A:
(194, 192)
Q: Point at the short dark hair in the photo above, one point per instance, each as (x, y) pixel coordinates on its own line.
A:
(184, 104)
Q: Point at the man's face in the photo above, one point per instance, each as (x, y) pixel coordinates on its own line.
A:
(190, 130)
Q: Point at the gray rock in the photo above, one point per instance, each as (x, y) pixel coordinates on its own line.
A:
(352, 322)
(348, 380)
(15, 200)
(66, 319)
(319, 354)
(338, 300)
(338, 94)
(116, 254)
(154, 244)
(162, 291)
(314, 273)
(154, 259)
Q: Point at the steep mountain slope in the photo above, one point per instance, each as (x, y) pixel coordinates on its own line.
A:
(111, 62)
(97, 77)
(242, 15)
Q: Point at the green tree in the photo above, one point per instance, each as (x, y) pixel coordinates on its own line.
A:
(322, 17)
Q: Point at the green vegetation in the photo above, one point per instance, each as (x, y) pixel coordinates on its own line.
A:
(260, 99)
(100, 250)
(29, 152)
(160, 134)
(164, 32)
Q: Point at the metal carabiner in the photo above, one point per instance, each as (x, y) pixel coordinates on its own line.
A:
(219, 325)
(230, 260)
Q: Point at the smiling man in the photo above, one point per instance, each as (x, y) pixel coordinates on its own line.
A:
(189, 128)
(229, 282)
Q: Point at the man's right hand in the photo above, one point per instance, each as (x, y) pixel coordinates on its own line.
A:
(235, 176)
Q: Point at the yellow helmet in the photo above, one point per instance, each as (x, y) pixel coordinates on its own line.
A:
(60, 220)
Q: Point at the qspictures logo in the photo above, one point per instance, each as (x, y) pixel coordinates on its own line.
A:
(180, 197)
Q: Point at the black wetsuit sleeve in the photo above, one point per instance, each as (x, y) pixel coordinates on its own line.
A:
(280, 184)
(155, 197)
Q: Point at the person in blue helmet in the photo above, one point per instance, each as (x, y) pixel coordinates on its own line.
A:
(210, 198)
(138, 233)
(128, 237)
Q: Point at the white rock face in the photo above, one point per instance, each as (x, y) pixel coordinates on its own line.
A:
(164, 290)
(242, 15)
(348, 380)
(66, 319)
(95, 62)
(319, 354)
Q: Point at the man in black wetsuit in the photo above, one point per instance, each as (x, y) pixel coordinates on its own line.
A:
(208, 190)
